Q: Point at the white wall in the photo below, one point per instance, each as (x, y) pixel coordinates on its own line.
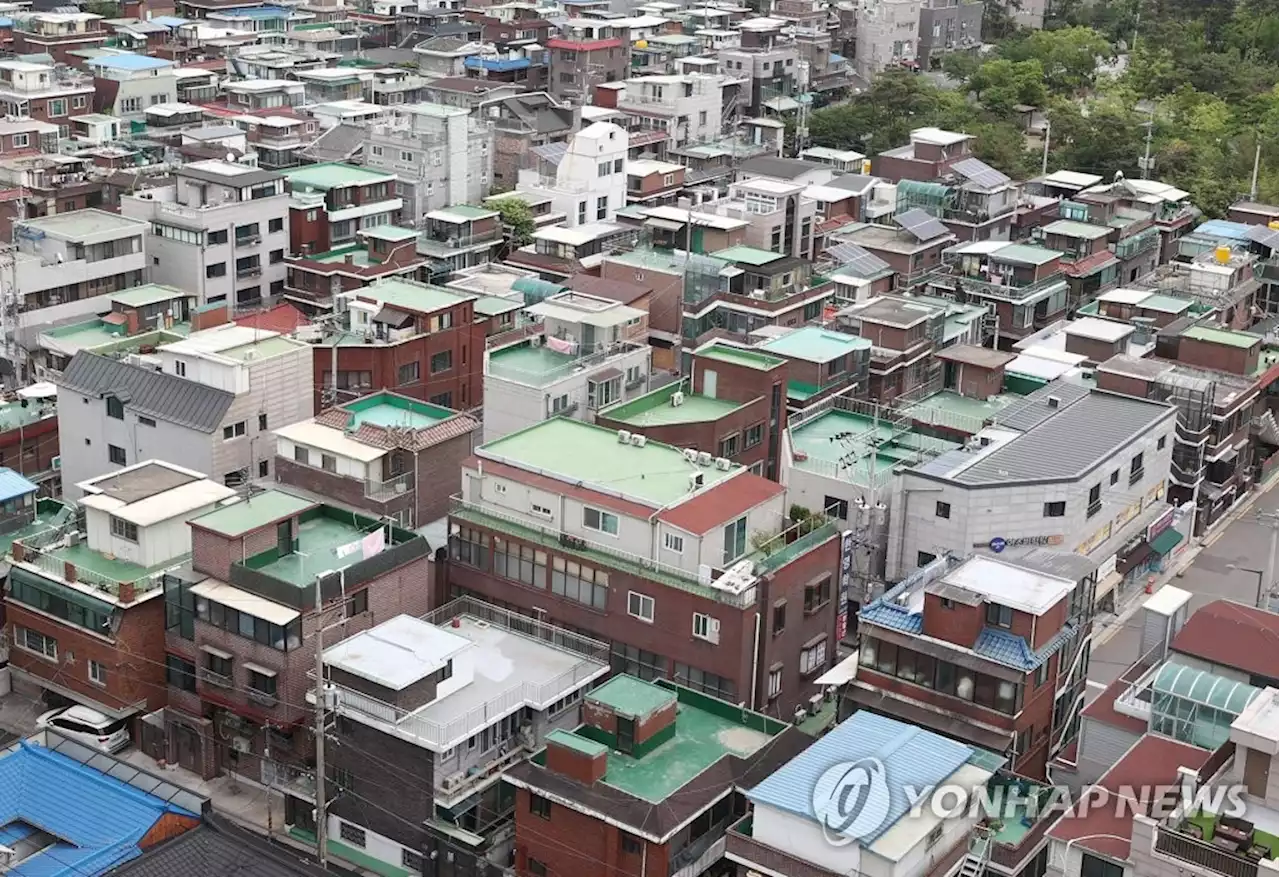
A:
(804, 839)
(764, 518)
(382, 848)
(279, 387)
(344, 466)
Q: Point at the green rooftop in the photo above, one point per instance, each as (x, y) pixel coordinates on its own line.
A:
(748, 255)
(463, 212)
(390, 409)
(578, 452)
(891, 446)
(148, 294)
(739, 356)
(631, 697)
(50, 513)
(359, 256)
(939, 409)
(654, 260)
(408, 295)
(1165, 303)
(334, 175)
(527, 364)
(14, 414)
(570, 740)
(1222, 336)
(258, 511)
(655, 408)
(491, 305)
(1026, 254)
(815, 344)
(264, 349)
(319, 535)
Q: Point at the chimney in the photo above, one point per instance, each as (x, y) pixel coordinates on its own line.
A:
(69, 571)
(19, 552)
(127, 592)
(576, 756)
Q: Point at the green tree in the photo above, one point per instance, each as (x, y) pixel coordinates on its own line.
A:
(1001, 84)
(1069, 56)
(517, 218)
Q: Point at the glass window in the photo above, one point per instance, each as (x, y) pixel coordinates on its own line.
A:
(735, 540)
(604, 522)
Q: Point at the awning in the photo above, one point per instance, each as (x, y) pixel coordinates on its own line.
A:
(782, 104)
(957, 728)
(1165, 542)
(664, 224)
(840, 673)
(244, 601)
(1137, 556)
(1107, 584)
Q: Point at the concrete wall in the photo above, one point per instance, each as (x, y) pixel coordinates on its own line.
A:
(278, 387)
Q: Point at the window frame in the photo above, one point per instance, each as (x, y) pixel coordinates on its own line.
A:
(636, 603)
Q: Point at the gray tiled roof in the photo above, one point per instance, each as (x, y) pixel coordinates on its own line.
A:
(1069, 441)
(218, 849)
(780, 168)
(1036, 408)
(152, 393)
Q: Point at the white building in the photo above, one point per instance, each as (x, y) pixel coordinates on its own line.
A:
(220, 231)
(591, 353)
(687, 106)
(887, 35)
(582, 177)
(141, 82)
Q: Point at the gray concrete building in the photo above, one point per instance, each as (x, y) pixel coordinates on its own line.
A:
(948, 26)
(220, 230)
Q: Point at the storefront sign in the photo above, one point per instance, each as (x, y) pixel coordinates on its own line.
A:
(1103, 534)
(846, 582)
(1107, 567)
(1160, 524)
(1129, 513)
(1000, 543)
(1155, 493)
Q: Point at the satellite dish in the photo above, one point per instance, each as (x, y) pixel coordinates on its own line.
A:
(231, 157)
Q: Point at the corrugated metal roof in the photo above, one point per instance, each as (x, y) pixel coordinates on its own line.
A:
(910, 756)
(12, 484)
(155, 394)
(1035, 409)
(1069, 441)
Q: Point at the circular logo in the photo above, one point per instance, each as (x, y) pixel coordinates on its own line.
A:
(997, 544)
(851, 800)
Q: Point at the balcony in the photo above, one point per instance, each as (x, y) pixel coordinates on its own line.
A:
(250, 240)
(62, 554)
(441, 246)
(1016, 835)
(1129, 247)
(1187, 845)
(389, 489)
(211, 677)
(742, 848)
(254, 271)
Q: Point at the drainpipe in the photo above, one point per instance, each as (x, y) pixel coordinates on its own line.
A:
(755, 662)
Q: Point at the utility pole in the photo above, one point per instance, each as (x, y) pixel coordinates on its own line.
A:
(1145, 164)
(1257, 158)
(321, 717)
(1044, 160)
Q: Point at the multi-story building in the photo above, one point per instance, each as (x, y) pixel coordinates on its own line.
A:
(459, 237)
(948, 26)
(208, 402)
(219, 230)
(585, 178)
(386, 454)
(587, 52)
(690, 567)
(990, 651)
(1169, 208)
(474, 689)
(768, 61)
(687, 107)
(652, 182)
(780, 218)
(83, 617)
(585, 353)
(29, 439)
(913, 252)
(975, 201)
(58, 34)
(330, 203)
(887, 37)
(440, 156)
(44, 93)
(420, 341)
(647, 782)
(928, 156)
(559, 252)
(384, 251)
(250, 94)
(241, 625)
(1066, 466)
(521, 123)
(126, 84)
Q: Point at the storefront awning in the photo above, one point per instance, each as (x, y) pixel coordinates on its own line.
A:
(840, 673)
(1135, 557)
(1165, 542)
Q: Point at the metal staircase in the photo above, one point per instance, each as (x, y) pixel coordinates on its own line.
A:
(974, 863)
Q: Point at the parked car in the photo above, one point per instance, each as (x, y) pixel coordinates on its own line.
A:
(87, 726)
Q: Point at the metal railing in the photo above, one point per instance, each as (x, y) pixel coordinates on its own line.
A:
(1185, 848)
(389, 489)
(740, 846)
(35, 555)
(551, 375)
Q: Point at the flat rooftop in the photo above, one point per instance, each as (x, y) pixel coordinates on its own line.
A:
(257, 511)
(408, 295)
(815, 344)
(333, 176)
(80, 224)
(15, 414)
(742, 356)
(850, 459)
(388, 409)
(1009, 585)
(591, 456)
(318, 539)
(655, 408)
(526, 364)
(947, 402)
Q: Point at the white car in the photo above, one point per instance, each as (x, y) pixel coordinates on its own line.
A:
(87, 726)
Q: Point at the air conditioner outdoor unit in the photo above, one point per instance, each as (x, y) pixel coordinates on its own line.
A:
(815, 704)
(535, 341)
(623, 437)
(690, 454)
(704, 458)
(639, 440)
(723, 464)
(677, 399)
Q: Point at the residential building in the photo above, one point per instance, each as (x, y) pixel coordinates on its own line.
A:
(992, 651)
(887, 37)
(415, 339)
(846, 161)
(82, 614)
(948, 26)
(330, 203)
(521, 123)
(474, 689)
(1168, 207)
(44, 92)
(780, 218)
(441, 156)
(782, 835)
(467, 92)
(210, 405)
(1087, 260)
(585, 177)
(29, 439)
(678, 588)
(975, 201)
(386, 454)
(279, 137)
(587, 52)
(929, 155)
(913, 253)
(820, 362)
(241, 626)
(26, 136)
(768, 61)
(58, 34)
(126, 84)
(653, 182)
(459, 237)
(219, 230)
(583, 354)
(688, 107)
(251, 94)
(647, 781)
(393, 86)
(559, 252)
(1089, 489)
(383, 251)
(218, 847)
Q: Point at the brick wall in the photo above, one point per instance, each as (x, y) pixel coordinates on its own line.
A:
(213, 554)
(959, 624)
(788, 583)
(572, 843)
(388, 783)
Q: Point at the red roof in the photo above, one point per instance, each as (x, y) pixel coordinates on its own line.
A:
(281, 318)
(1153, 761)
(1103, 709)
(1089, 264)
(1233, 635)
(726, 501)
(834, 222)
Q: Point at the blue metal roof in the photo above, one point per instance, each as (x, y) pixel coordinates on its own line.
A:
(910, 757)
(259, 12)
(893, 616)
(130, 62)
(12, 484)
(476, 62)
(1221, 228)
(97, 819)
(169, 20)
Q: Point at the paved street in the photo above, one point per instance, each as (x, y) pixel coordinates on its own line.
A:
(1244, 542)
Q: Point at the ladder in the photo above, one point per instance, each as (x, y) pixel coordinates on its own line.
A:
(974, 863)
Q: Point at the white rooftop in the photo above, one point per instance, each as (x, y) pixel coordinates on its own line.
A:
(1125, 296)
(578, 235)
(706, 220)
(938, 137)
(245, 601)
(1072, 179)
(642, 167)
(1261, 719)
(326, 438)
(828, 194)
(1167, 600)
(397, 653)
(761, 24)
(219, 338)
(1012, 586)
(768, 186)
(1098, 329)
(833, 154)
(161, 505)
(1034, 366)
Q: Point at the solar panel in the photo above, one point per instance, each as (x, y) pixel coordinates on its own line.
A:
(857, 260)
(921, 224)
(979, 173)
(552, 153)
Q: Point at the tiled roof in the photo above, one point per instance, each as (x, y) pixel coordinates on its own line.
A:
(724, 502)
(1233, 635)
(1013, 651)
(218, 849)
(893, 616)
(156, 394)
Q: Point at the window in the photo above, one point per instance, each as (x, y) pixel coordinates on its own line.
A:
(444, 400)
(145, 421)
(672, 542)
(813, 656)
(1115, 477)
(943, 510)
(559, 404)
(1000, 616)
(116, 455)
(779, 617)
(617, 165)
(470, 547)
(1160, 443)
(352, 834)
(180, 673)
(97, 672)
(603, 169)
(1055, 509)
(406, 155)
(924, 558)
(262, 423)
(59, 107)
(1092, 866)
(602, 393)
(536, 868)
(706, 627)
(264, 468)
(411, 861)
(631, 846)
(180, 368)
(640, 606)
(752, 436)
(735, 540)
(234, 430)
(728, 446)
(539, 806)
(124, 529)
(79, 102)
(302, 455)
(637, 662)
(520, 563)
(838, 508)
(218, 237)
(358, 603)
(275, 225)
(582, 213)
(817, 595)
(115, 408)
(604, 522)
(1095, 500)
(276, 257)
(407, 373)
(35, 641)
(442, 361)
(1135, 469)
(602, 207)
(262, 683)
(1042, 674)
(775, 681)
(329, 463)
(218, 269)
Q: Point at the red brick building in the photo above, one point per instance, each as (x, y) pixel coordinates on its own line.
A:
(332, 202)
